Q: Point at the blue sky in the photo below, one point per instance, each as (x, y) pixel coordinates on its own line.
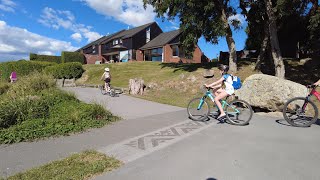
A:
(49, 27)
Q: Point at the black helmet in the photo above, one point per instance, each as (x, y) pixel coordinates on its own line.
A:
(223, 68)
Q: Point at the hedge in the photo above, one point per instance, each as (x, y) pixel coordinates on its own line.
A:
(72, 57)
(46, 58)
(65, 70)
(21, 67)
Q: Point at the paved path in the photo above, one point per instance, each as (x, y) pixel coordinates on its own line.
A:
(263, 150)
(21, 156)
(161, 143)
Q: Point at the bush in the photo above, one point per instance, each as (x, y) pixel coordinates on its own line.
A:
(22, 68)
(65, 70)
(3, 87)
(64, 118)
(72, 57)
(45, 58)
(29, 85)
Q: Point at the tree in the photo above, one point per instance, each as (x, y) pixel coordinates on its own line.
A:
(207, 18)
(274, 42)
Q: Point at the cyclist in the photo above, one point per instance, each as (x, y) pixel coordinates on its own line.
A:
(106, 76)
(219, 92)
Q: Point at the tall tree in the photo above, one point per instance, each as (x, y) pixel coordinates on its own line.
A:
(274, 42)
(207, 18)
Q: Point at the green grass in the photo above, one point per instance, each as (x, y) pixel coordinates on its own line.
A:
(77, 167)
(34, 108)
(175, 84)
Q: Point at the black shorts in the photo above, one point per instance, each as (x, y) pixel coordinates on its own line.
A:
(107, 80)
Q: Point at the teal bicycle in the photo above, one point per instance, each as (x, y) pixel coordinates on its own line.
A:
(238, 112)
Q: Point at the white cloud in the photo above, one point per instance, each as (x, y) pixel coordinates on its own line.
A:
(17, 43)
(130, 12)
(77, 37)
(7, 5)
(241, 18)
(65, 19)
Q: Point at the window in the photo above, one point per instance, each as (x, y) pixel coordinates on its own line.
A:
(153, 55)
(120, 40)
(115, 42)
(175, 50)
(148, 35)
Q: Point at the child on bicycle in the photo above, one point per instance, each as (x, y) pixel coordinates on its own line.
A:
(220, 92)
(106, 76)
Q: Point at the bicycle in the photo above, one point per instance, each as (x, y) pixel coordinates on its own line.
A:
(238, 112)
(300, 111)
(113, 92)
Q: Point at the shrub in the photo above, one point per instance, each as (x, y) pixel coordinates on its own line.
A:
(3, 87)
(17, 109)
(72, 57)
(65, 70)
(22, 68)
(31, 84)
(45, 58)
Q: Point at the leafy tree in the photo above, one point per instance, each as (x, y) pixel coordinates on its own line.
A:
(207, 18)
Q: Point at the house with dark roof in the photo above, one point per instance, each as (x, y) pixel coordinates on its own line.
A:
(166, 48)
(143, 43)
(120, 46)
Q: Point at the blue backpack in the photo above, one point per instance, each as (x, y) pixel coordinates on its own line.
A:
(236, 82)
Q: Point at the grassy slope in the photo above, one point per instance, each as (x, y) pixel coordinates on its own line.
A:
(175, 84)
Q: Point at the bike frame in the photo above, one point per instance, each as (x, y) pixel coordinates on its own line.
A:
(313, 92)
(211, 96)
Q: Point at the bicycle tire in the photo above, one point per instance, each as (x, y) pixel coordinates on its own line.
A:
(293, 103)
(102, 90)
(193, 111)
(239, 112)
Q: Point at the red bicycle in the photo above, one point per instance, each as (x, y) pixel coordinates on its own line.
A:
(300, 111)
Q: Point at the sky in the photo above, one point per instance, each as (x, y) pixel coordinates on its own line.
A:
(49, 27)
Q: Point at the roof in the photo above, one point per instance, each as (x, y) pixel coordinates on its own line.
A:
(120, 34)
(162, 39)
(98, 41)
(131, 32)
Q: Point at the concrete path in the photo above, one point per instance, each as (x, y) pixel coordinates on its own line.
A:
(162, 143)
(266, 149)
(123, 106)
(22, 156)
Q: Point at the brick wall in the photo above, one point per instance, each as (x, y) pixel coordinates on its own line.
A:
(91, 59)
(139, 55)
(170, 59)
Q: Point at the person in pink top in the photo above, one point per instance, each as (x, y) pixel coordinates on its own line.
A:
(13, 77)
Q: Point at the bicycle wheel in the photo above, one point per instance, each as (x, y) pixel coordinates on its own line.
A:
(198, 109)
(296, 115)
(239, 112)
(102, 89)
(112, 93)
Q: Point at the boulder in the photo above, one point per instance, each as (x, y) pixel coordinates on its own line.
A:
(59, 82)
(136, 86)
(269, 92)
(69, 83)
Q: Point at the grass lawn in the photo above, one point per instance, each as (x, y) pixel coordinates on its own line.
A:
(78, 166)
(176, 84)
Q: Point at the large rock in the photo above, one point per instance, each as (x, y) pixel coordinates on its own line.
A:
(69, 83)
(136, 86)
(269, 92)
